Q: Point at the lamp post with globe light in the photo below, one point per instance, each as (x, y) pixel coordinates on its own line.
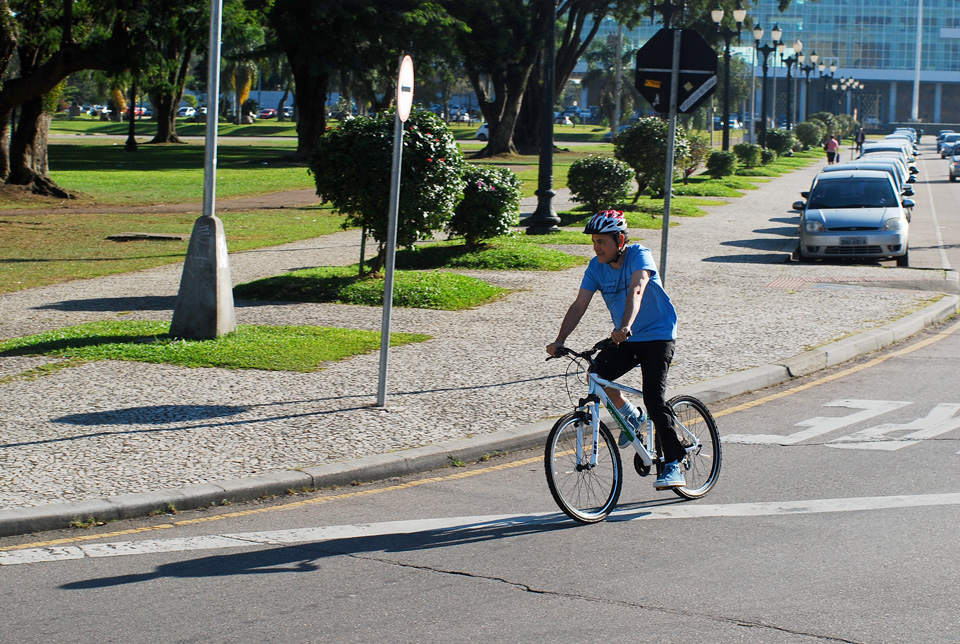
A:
(765, 51)
(739, 14)
(789, 61)
(806, 69)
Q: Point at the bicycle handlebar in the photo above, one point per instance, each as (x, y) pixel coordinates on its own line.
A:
(586, 355)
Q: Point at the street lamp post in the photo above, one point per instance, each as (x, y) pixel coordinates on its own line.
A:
(727, 34)
(826, 78)
(806, 69)
(544, 219)
(765, 51)
(789, 61)
(739, 14)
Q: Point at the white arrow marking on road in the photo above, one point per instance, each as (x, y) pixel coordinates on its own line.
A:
(821, 424)
(466, 525)
(939, 421)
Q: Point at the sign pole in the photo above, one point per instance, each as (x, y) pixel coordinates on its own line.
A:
(671, 139)
(404, 102)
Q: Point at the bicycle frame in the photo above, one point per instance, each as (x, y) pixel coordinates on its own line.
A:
(595, 397)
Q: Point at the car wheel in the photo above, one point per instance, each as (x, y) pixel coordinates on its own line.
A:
(805, 259)
(481, 137)
(904, 260)
(952, 178)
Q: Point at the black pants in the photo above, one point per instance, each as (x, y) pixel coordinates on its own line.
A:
(654, 358)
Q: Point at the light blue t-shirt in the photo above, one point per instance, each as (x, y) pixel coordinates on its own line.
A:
(657, 319)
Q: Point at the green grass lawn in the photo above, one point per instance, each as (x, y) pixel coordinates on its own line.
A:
(274, 348)
(342, 285)
(36, 250)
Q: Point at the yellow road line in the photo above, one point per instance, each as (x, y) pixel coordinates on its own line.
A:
(840, 374)
(287, 506)
(467, 474)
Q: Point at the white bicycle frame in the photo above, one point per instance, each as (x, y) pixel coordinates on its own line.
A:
(600, 396)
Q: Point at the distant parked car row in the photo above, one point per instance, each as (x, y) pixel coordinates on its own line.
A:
(861, 209)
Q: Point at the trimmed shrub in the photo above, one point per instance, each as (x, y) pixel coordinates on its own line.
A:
(721, 164)
(352, 171)
(780, 141)
(490, 204)
(748, 154)
(700, 150)
(599, 181)
(810, 133)
(829, 121)
(643, 146)
(767, 156)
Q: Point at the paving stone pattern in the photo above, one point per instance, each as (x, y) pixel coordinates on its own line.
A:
(109, 428)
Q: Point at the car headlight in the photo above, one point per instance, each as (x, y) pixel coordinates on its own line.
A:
(814, 226)
(894, 223)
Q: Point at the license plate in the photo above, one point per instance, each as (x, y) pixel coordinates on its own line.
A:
(853, 241)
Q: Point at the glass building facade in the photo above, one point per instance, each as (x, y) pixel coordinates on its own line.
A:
(870, 41)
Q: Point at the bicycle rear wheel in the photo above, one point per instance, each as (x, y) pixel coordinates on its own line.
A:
(702, 466)
(584, 492)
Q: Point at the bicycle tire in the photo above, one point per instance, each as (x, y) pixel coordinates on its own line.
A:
(701, 468)
(585, 494)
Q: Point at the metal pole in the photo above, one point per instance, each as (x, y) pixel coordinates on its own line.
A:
(213, 111)
(618, 84)
(671, 135)
(726, 91)
(544, 219)
(391, 259)
(915, 108)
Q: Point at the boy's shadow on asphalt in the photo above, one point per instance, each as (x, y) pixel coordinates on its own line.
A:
(308, 557)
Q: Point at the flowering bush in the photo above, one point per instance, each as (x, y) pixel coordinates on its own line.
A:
(352, 171)
(490, 205)
(599, 181)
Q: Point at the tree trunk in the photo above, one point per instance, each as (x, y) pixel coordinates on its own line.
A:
(312, 86)
(28, 152)
(283, 101)
(165, 111)
(4, 145)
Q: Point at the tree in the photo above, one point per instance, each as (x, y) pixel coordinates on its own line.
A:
(167, 43)
(52, 40)
(601, 61)
(352, 171)
(362, 36)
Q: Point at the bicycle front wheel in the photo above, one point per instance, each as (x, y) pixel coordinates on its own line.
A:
(701, 466)
(585, 492)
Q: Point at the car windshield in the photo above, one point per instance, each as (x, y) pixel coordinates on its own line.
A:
(853, 193)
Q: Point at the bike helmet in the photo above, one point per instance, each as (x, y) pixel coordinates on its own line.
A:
(606, 221)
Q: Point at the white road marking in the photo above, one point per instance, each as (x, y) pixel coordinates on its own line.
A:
(464, 524)
(940, 420)
(822, 424)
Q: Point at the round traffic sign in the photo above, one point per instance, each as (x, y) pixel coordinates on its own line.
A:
(405, 89)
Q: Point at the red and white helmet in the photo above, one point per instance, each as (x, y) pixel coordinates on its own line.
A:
(606, 221)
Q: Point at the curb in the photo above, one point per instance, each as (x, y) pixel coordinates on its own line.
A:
(19, 521)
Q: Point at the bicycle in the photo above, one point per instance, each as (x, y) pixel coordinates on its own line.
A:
(582, 460)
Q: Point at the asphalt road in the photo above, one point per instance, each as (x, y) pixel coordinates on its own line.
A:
(834, 520)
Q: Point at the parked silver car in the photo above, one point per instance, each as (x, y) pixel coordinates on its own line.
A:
(854, 214)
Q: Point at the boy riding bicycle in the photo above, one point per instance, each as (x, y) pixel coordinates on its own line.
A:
(645, 331)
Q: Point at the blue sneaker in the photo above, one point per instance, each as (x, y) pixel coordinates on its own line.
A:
(635, 423)
(671, 477)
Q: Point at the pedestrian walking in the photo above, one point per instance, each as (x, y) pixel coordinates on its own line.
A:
(832, 147)
(861, 137)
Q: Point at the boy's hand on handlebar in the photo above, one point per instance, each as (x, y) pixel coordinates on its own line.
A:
(620, 335)
(553, 348)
